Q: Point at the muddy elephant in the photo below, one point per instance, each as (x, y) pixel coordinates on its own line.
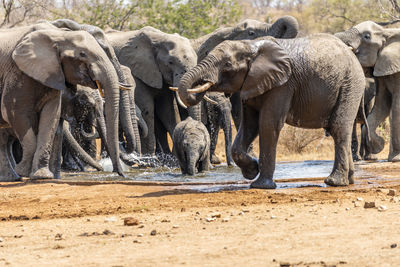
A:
(216, 115)
(311, 82)
(157, 60)
(192, 146)
(38, 62)
(378, 48)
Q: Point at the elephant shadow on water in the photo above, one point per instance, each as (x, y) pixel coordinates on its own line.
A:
(310, 82)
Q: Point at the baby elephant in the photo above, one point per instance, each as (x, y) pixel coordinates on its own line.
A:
(192, 146)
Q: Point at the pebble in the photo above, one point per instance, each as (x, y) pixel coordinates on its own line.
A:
(393, 245)
(216, 215)
(108, 232)
(392, 192)
(273, 217)
(175, 226)
(1, 240)
(110, 219)
(226, 219)
(130, 221)
(210, 219)
(154, 232)
(165, 220)
(369, 205)
(246, 211)
(347, 208)
(58, 237)
(140, 235)
(183, 209)
(357, 204)
(360, 199)
(241, 213)
(137, 241)
(382, 208)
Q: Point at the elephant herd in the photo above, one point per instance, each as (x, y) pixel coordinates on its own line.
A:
(64, 85)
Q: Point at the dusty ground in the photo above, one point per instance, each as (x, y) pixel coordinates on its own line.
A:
(47, 223)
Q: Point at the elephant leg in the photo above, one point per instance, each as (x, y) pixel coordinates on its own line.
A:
(167, 112)
(271, 120)
(394, 155)
(49, 120)
(350, 176)
(354, 143)
(248, 131)
(236, 111)
(56, 154)
(161, 137)
(380, 112)
(7, 173)
(145, 102)
(205, 164)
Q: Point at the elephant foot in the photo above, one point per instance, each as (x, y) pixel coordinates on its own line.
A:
(356, 157)
(376, 144)
(370, 157)
(22, 169)
(42, 173)
(394, 157)
(251, 171)
(351, 177)
(337, 179)
(263, 183)
(215, 160)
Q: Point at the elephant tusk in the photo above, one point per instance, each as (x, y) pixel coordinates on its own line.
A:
(180, 101)
(125, 86)
(200, 89)
(175, 89)
(209, 100)
(99, 87)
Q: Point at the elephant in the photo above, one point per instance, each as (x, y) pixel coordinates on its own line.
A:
(311, 82)
(37, 64)
(127, 113)
(378, 48)
(284, 27)
(215, 116)
(157, 60)
(192, 146)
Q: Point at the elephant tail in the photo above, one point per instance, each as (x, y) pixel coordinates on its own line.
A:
(78, 150)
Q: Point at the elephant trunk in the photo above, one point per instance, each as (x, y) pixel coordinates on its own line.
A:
(204, 72)
(134, 110)
(77, 149)
(191, 161)
(227, 127)
(141, 122)
(109, 82)
(285, 27)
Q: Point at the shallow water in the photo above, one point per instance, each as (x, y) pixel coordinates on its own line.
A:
(219, 174)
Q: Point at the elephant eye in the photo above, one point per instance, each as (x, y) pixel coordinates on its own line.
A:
(367, 36)
(82, 54)
(170, 62)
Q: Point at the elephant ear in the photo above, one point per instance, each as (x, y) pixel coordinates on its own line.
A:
(270, 68)
(37, 56)
(388, 61)
(139, 56)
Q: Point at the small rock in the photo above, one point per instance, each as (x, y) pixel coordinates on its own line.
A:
(88, 220)
(130, 221)
(210, 219)
(273, 217)
(360, 199)
(141, 226)
(165, 221)
(108, 232)
(183, 209)
(293, 200)
(197, 213)
(245, 211)
(226, 219)
(154, 232)
(241, 213)
(110, 219)
(140, 235)
(392, 192)
(357, 204)
(175, 226)
(1, 240)
(382, 208)
(347, 208)
(216, 215)
(225, 247)
(369, 205)
(58, 237)
(284, 264)
(137, 241)
(393, 245)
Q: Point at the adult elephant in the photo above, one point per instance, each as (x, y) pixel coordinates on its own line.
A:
(312, 82)
(127, 113)
(157, 60)
(38, 62)
(378, 48)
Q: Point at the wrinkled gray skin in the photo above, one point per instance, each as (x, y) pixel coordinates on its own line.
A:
(249, 29)
(157, 60)
(128, 124)
(379, 48)
(216, 117)
(36, 63)
(192, 146)
(312, 82)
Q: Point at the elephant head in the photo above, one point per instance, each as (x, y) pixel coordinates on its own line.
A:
(59, 58)
(253, 67)
(378, 48)
(129, 125)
